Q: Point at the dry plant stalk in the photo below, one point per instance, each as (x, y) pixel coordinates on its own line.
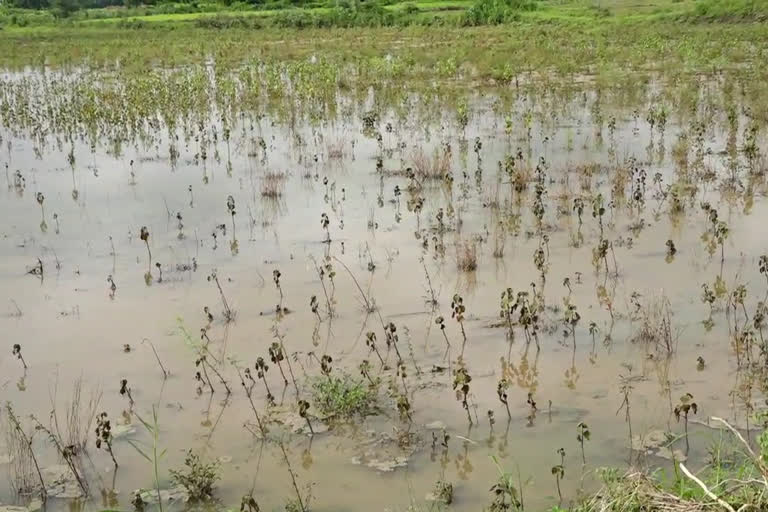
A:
(80, 416)
(24, 469)
(466, 256)
(272, 184)
(336, 147)
(431, 167)
(656, 331)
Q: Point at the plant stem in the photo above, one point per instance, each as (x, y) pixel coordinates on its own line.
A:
(293, 477)
(28, 442)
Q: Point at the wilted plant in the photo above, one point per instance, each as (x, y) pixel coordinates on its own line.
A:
(528, 317)
(571, 318)
(582, 435)
(325, 223)
(365, 371)
(112, 286)
(457, 312)
(559, 472)
(440, 321)
(671, 251)
(203, 378)
(104, 435)
(179, 226)
(314, 306)
(685, 406)
(578, 207)
(16, 351)
(228, 313)
(501, 392)
(738, 296)
(144, 235)
(708, 297)
(276, 356)
(326, 366)
(532, 409)
(40, 199)
(626, 391)
(762, 267)
(248, 387)
(126, 391)
(600, 253)
(598, 210)
(276, 278)
(404, 406)
(392, 338)
(232, 212)
(593, 330)
(507, 306)
(461, 381)
(327, 270)
(370, 342)
(261, 372)
(303, 406)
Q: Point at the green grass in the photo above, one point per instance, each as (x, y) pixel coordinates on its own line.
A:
(343, 397)
(585, 13)
(437, 6)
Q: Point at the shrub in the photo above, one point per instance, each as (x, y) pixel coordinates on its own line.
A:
(222, 21)
(495, 12)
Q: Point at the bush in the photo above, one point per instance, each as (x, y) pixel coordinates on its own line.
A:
(495, 12)
(222, 21)
(410, 8)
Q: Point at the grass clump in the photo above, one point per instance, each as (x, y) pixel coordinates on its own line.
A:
(197, 477)
(344, 397)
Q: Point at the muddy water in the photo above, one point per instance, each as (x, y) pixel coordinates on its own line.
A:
(70, 327)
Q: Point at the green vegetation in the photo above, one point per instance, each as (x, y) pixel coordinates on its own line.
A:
(371, 13)
(729, 11)
(197, 477)
(343, 397)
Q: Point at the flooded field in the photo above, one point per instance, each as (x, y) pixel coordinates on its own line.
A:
(358, 298)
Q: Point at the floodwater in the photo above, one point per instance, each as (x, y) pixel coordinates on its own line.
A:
(71, 326)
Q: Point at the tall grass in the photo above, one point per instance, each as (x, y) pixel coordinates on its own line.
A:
(729, 11)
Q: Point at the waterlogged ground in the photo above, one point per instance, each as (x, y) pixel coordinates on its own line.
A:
(70, 325)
